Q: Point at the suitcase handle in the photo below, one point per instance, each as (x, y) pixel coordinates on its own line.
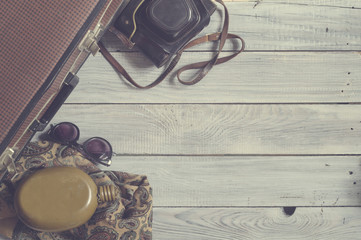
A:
(69, 84)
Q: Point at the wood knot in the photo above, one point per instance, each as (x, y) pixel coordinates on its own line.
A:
(289, 211)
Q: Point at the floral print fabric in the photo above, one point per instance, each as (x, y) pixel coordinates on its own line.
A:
(128, 218)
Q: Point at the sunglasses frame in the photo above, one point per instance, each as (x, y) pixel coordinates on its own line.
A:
(106, 162)
(81, 147)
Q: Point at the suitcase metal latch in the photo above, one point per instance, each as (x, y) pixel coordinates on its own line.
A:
(7, 163)
(90, 41)
(68, 86)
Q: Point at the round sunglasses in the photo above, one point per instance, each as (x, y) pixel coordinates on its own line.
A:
(96, 149)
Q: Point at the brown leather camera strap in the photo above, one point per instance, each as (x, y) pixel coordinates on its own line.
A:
(204, 66)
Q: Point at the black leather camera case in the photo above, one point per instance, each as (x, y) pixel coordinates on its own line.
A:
(160, 28)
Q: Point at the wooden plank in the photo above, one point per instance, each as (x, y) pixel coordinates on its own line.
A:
(287, 25)
(250, 78)
(325, 3)
(256, 223)
(248, 181)
(199, 129)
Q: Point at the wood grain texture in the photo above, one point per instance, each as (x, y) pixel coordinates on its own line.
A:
(262, 132)
(248, 181)
(195, 129)
(288, 25)
(271, 77)
(256, 223)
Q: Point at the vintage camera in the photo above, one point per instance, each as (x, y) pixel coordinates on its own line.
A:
(160, 28)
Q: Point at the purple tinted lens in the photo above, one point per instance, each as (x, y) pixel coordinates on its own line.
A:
(98, 148)
(65, 132)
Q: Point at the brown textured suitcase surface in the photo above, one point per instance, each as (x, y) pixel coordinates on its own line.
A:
(35, 38)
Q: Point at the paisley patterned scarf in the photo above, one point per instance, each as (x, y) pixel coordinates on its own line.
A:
(128, 218)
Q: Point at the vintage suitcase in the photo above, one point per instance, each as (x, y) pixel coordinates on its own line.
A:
(42, 46)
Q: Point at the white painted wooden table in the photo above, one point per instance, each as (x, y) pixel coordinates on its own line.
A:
(275, 130)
